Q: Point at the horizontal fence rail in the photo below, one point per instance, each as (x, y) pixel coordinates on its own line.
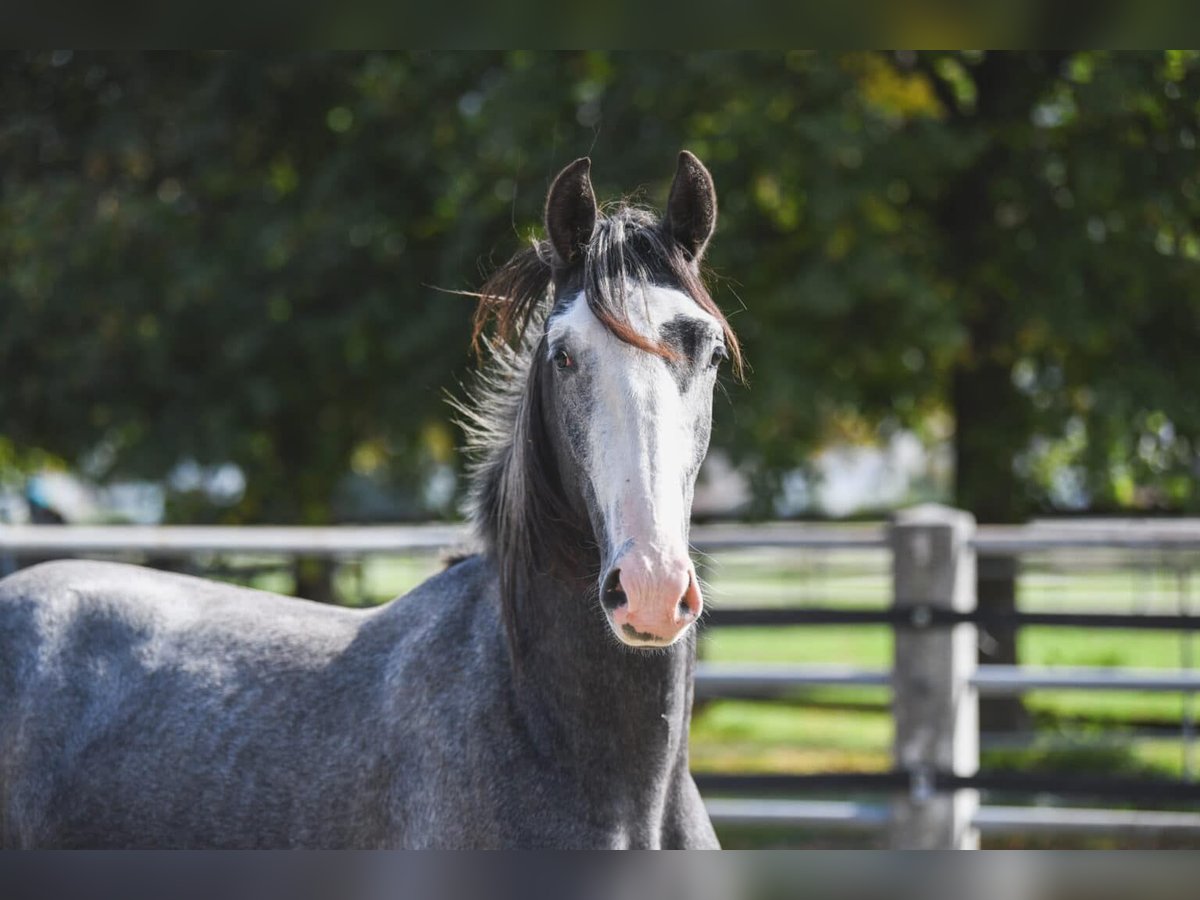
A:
(921, 616)
(765, 681)
(336, 540)
(1127, 534)
(990, 820)
(798, 813)
(1000, 680)
(190, 540)
(351, 540)
(923, 783)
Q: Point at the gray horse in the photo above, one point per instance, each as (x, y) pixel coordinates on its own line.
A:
(536, 694)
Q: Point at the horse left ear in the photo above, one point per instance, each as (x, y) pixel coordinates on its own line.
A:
(692, 206)
(571, 211)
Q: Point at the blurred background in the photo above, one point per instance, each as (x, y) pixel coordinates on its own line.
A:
(962, 277)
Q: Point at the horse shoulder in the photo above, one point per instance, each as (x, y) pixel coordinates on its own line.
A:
(449, 688)
(150, 687)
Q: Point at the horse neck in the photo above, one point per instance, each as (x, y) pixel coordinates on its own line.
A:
(609, 707)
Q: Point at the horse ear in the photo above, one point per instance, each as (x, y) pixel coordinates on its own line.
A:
(571, 211)
(692, 206)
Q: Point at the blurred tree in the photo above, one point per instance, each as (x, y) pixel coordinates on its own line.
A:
(1052, 247)
(219, 257)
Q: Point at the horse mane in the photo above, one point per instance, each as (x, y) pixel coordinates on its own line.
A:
(516, 502)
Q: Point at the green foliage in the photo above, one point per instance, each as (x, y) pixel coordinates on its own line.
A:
(222, 257)
(1077, 757)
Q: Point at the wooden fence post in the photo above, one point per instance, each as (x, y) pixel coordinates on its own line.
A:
(935, 707)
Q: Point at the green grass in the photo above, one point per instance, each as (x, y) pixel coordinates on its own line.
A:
(865, 646)
(757, 736)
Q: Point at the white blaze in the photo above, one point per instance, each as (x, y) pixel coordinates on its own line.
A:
(641, 434)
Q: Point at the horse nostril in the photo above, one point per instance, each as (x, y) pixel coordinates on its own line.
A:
(612, 595)
(689, 603)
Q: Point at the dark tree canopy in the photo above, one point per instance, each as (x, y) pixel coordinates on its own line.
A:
(225, 257)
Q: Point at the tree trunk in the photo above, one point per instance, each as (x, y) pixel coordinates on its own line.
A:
(992, 418)
(996, 590)
(991, 429)
(314, 580)
(300, 494)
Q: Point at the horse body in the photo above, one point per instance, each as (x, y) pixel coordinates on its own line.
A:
(537, 694)
(225, 717)
(213, 713)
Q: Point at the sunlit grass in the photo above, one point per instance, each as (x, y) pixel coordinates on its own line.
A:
(756, 736)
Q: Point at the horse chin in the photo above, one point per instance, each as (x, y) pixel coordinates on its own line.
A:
(640, 640)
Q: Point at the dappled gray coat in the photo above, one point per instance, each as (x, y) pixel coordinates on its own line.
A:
(502, 703)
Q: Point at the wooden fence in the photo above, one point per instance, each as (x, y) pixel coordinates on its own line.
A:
(935, 781)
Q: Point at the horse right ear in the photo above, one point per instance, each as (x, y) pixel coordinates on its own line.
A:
(571, 211)
(692, 206)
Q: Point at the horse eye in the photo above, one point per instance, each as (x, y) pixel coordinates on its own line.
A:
(562, 359)
(720, 354)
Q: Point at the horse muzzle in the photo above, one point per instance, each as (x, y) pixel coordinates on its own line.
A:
(651, 600)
